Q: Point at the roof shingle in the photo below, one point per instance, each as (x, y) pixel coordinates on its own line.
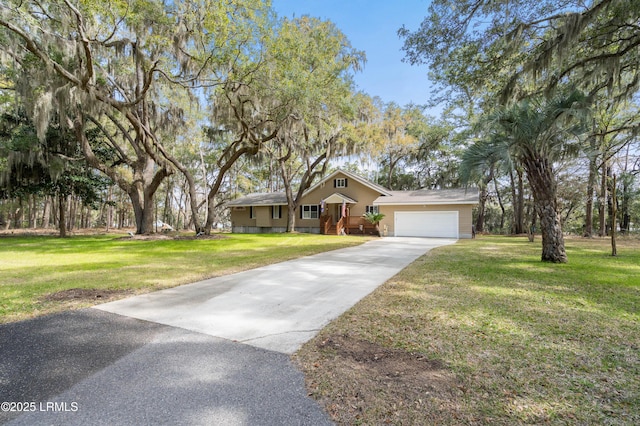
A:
(430, 196)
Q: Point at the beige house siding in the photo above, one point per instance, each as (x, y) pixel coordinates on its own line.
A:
(355, 190)
(465, 218)
(240, 217)
(263, 216)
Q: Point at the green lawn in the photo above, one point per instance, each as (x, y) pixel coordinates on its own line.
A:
(482, 332)
(34, 267)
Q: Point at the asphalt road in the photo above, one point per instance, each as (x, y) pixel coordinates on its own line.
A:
(96, 368)
(210, 353)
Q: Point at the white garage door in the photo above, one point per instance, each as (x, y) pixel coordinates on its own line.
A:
(426, 224)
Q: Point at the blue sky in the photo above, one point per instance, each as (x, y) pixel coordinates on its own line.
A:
(372, 26)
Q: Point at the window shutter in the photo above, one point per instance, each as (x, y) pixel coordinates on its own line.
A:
(279, 212)
(335, 185)
(345, 182)
(300, 212)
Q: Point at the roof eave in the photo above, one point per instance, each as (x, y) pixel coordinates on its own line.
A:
(423, 203)
(255, 204)
(361, 180)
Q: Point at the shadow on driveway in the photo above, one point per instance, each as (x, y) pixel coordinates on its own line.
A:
(91, 367)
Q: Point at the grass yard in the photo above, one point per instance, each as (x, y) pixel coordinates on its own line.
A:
(40, 275)
(482, 332)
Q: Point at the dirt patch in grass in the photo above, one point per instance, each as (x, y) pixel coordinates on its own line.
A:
(396, 367)
(85, 294)
(393, 383)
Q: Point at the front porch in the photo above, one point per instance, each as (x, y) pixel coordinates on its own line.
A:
(347, 225)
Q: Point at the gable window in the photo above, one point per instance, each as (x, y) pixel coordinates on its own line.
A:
(276, 212)
(310, 211)
(340, 183)
(372, 209)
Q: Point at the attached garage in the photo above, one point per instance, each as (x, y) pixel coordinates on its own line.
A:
(445, 213)
(435, 224)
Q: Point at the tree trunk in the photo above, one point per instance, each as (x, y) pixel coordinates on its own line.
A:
(517, 194)
(109, 208)
(603, 201)
(591, 187)
(291, 219)
(520, 200)
(88, 217)
(495, 185)
(62, 220)
(32, 211)
(531, 232)
(552, 239)
(46, 213)
(83, 217)
(484, 196)
(516, 212)
(392, 167)
(291, 202)
(143, 209)
(167, 214)
(614, 212)
(73, 201)
(193, 201)
(4, 223)
(543, 186)
(481, 208)
(18, 214)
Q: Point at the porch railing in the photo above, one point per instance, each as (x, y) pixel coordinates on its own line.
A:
(340, 225)
(348, 225)
(325, 223)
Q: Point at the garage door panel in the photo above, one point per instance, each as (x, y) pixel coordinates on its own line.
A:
(426, 224)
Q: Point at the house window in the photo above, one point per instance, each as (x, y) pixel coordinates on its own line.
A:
(340, 183)
(310, 211)
(276, 212)
(252, 212)
(372, 209)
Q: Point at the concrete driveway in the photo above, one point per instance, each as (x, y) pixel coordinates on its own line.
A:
(185, 363)
(281, 306)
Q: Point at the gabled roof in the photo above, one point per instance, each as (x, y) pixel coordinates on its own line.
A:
(387, 197)
(337, 198)
(430, 197)
(363, 181)
(260, 199)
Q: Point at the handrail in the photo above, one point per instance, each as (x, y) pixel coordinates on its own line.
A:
(326, 223)
(340, 226)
